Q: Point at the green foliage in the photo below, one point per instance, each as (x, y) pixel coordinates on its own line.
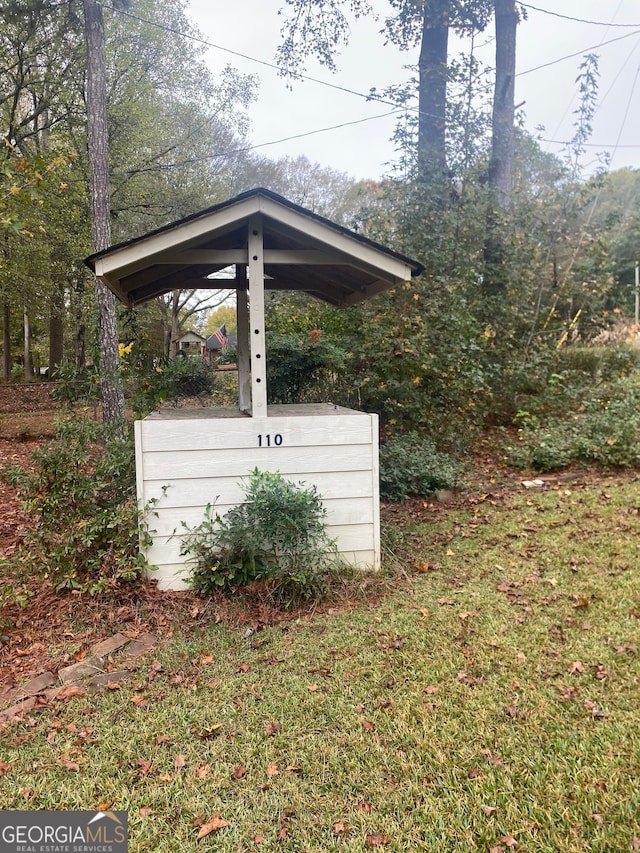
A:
(277, 533)
(295, 366)
(410, 465)
(604, 430)
(82, 497)
(168, 381)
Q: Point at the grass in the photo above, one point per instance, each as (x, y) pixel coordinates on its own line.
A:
(488, 700)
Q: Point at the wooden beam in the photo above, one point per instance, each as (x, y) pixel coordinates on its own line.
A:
(257, 344)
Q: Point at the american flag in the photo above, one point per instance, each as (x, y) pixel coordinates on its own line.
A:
(222, 337)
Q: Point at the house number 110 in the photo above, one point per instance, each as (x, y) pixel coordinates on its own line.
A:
(265, 440)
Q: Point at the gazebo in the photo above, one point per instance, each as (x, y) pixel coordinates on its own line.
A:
(187, 458)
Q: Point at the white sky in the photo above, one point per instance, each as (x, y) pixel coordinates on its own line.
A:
(251, 27)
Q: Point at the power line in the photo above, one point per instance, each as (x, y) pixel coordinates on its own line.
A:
(577, 53)
(244, 149)
(577, 20)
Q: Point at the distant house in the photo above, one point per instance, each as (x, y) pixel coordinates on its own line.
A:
(214, 347)
(189, 344)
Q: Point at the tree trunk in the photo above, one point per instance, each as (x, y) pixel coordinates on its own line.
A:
(432, 92)
(175, 323)
(502, 140)
(113, 409)
(6, 342)
(500, 171)
(56, 333)
(28, 367)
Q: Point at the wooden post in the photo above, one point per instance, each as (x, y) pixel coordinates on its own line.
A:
(244, 358)
(257, 345)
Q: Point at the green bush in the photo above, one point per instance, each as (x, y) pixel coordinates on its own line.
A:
(278, 532)
(82, 497)
(410, 465)
(604, 430)
(168, 381)
(295, 367)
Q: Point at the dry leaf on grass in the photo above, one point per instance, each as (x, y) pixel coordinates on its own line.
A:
(216, 822)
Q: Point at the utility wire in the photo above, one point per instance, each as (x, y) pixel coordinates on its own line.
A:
(577, 20)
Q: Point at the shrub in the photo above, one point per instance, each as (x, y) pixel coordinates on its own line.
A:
(605, 430)
(168, 381)
(278, 532)
(295, 367)
(81, 494)
(410, 465)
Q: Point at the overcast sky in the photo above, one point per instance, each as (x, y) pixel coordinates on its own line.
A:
(362, 148)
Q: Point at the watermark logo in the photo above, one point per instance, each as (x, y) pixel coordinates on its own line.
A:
(63, 832)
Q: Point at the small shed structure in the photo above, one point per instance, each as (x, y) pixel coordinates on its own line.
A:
(186, 459)
(189, 344)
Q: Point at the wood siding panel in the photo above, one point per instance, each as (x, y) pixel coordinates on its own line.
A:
(202, 461)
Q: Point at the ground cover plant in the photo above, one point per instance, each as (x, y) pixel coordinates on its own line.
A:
(487, 699)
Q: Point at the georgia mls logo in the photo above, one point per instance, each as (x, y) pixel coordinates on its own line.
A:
(63, 832)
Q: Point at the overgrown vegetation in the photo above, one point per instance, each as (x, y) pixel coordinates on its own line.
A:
(588, 417)
(80, 493)
(277, 533)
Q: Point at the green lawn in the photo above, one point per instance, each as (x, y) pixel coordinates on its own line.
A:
(488, 702)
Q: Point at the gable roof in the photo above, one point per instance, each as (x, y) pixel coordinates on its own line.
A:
(302, 251)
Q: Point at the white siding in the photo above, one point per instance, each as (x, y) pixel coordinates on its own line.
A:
(185, 461)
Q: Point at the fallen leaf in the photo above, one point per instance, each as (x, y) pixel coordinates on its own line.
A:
(71, 765)
(432, 688)
(423, 568)
(258, 838)
(104, 806)
(576, 666)
(466, 614)
(203, 771)
(369, 726)
(180, 761)
(272, 770)
(425, 611)
(489, 810)
(635, 843)
(339, 827)
(376, 839)
(140, 701)
(145, 811)
(313, 688)
(207, 659)
(163, 739)
(70, 690)
(239, 772)
(509, 840)
(145, 766)
(216, 822)
(364, 807)
(273, 728)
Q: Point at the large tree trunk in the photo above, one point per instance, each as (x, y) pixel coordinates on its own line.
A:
(113, 409)
(500, 171)
(56, 332)
(502, 140)
(432, 92)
